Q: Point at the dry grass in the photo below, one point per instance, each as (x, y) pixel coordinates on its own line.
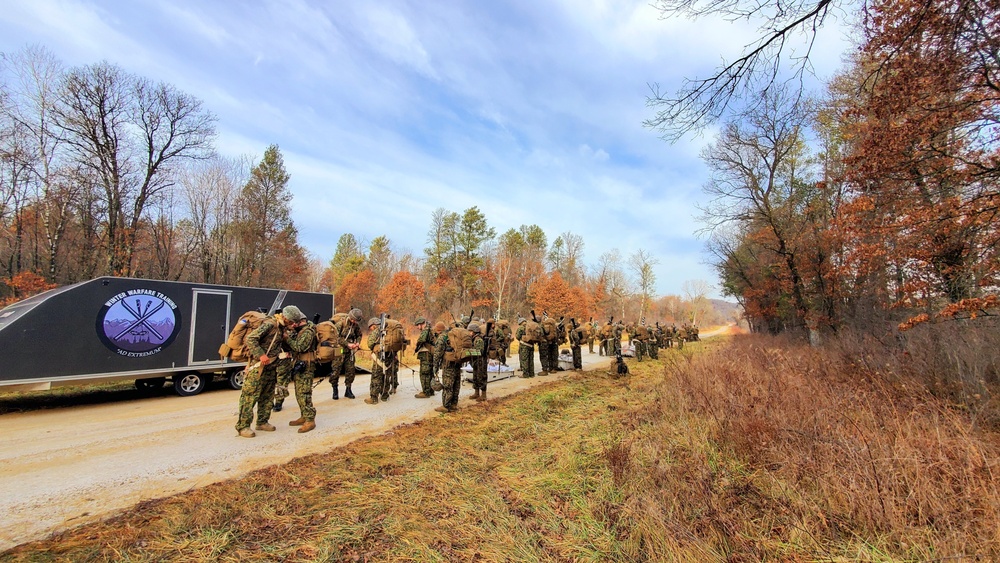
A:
(755, 451)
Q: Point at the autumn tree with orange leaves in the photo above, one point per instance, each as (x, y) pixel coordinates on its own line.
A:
(403, 296)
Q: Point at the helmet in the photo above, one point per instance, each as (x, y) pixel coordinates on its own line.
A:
(420, 321)
(374, 321)
(464, 321)
(439, 326)
(474, 328)
(355, 314)
(292, 313)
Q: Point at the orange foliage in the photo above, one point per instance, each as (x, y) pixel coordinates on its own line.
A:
(403, 296)
(357, 290)
(24, 285)
(551, 293)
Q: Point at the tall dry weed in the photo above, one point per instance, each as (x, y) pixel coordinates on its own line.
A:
(854, 444)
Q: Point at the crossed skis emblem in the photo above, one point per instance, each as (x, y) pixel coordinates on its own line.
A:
(140, 317)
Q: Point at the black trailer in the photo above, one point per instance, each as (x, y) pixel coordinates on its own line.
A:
(110, 329)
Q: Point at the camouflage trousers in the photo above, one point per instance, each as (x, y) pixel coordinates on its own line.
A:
(342, 365)
(426, 373)
(479, 374)
(283, 369)
(303, 381)
(543, 356)
(577, 357)
(258, 389)
(590, 345)
(451, 379)
(379, 386)
(653, 350)
(640, 349)
(526, 355)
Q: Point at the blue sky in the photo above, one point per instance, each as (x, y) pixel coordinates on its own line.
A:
(384, 111)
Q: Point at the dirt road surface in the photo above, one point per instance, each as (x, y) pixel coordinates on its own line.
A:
(63, 467)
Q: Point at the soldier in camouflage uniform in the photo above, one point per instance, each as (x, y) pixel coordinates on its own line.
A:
(592, 335)
(425, 354)
(605, 340)
(303, 345)
(479, 363)
(344, 363)
(451, 375)
(616, 339)
(380, 382)
(575, 342)
(266, 347)
(525, 351)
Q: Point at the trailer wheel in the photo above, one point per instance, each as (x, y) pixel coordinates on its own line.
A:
(236, 379)
(150, 384)
(190, 384)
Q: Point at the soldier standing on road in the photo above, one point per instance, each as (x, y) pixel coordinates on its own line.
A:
(379, 387)
(525, 351)
(592, 335)
(349, 328)
(575, 340)
(266, 344)
(479, 374)
(451, 375)
(303, 344)
(425, 354)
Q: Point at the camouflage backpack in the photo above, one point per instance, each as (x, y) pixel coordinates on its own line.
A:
(533, 333)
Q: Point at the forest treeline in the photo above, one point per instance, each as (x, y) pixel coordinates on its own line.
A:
(103, 172)
(872, 203)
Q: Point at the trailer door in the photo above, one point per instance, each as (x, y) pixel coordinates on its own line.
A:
(209, 325)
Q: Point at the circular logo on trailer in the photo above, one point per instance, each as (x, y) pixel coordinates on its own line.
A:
(138, 323)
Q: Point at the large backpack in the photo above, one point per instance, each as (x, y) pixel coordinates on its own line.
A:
(235, 346)
(551, 328)
(584, 331)
(460, 341)
(394, 339)
(329, 342)
(533, 332)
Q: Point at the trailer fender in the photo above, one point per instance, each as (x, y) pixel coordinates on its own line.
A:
(191, 383)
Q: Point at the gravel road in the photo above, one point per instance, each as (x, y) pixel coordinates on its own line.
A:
(66, 466)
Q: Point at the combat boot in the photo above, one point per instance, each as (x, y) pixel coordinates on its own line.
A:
(247, 433)
(336, 394)
(475, 396)
(348, 394)
(309, 425)
(442, 409)
(372, 400)
(482, 396)
(297, 422)
(277, 405)
(421, 395)
(266, 427)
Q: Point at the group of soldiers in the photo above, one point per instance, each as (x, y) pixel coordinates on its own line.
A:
(283, 351)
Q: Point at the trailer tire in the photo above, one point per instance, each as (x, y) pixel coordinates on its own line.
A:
(188, 384)
(236, 378)
(151, 384)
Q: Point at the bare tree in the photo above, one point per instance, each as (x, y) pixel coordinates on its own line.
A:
(641, 263)
(129, 133)
(700, 102)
